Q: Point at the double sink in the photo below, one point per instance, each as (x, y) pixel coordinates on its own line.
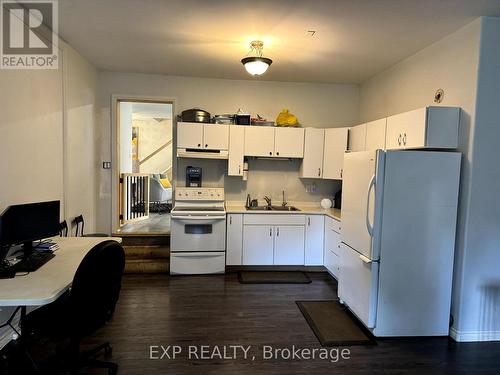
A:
(272, 208)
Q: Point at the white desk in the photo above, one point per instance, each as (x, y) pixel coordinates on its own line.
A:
(51, 280)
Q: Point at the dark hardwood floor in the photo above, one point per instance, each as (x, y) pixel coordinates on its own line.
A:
(218, 310)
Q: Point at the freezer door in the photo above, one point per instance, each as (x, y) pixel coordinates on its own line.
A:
(358, 284)
(362, 188)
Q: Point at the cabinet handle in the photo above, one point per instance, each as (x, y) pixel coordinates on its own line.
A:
(319, 172)
(404, 139)
(270, 152)
(399, 140)
(309, 221)
(278, 153)
(341, 172)
(206, 145)
(278, 231)
(199, 144)
(239, 169)
(270, 232)
(230, 220)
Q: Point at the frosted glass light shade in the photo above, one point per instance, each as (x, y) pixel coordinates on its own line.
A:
(256, 65)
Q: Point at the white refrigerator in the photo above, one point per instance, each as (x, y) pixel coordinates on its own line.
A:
(399, 211)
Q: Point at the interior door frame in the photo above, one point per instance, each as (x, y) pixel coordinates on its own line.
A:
(115, 147)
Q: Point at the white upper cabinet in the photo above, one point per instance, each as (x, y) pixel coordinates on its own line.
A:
(274, 142)
(289, 142)
(198, 136)
(189, 135)
(357, 138)
(236, 150)
(430, 127)
(312, 164)
(375, 135)
(259, 141)
(216, 137)
(335, 146)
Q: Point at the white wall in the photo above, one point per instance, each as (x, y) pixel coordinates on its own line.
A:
(47, 133)
(478, 300)
(125, 137)
(319, 105)
(453, 65)
(81, 162)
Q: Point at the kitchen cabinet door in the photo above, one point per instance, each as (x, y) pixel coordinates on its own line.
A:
(406, 130)
(259, 141)
(375, 135)
(332, 263)
(216, 137)
(312, 163)
(315, 231)
(333, 154)
(289, 245)
(357, 138)
(189, 135)
(430, 127)
(289, 142)
(234, 239)
(258, 244)
(236, 150)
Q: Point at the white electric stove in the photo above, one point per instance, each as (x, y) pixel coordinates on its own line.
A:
(198, 231)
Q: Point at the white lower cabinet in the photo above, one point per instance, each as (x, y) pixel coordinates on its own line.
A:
(258, 245)
(273, 239)
(289, 245)
(234, 239)
(315, 225)
(283, 240)
(332, 253)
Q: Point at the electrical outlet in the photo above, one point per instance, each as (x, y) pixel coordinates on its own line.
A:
(106, 165)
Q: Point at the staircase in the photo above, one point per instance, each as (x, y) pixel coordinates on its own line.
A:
(146, 253)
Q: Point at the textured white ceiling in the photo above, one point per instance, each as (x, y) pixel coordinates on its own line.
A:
(354, 39)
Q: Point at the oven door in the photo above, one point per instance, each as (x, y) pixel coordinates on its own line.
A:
(197, 233)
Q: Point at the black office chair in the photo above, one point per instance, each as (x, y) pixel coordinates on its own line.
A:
(88, 305)
(80, 224)
(63, 229)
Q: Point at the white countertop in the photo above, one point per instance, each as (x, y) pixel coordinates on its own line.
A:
(305, 209)
(47, 283)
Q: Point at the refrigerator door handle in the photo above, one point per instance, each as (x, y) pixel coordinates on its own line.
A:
(369, 225)
(365, 259)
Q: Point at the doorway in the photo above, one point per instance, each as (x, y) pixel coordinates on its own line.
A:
(144, 167)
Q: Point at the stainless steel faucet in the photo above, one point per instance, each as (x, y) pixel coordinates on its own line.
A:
(268, 200)
(284, 202)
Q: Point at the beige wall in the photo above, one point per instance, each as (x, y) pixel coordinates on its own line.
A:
(153, 134)
(47, 135)
(465, 65)
(81, 164)
(319, 105)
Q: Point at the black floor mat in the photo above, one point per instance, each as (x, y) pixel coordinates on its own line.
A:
(333, 325)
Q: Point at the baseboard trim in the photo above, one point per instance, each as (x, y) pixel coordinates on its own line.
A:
(474, 336)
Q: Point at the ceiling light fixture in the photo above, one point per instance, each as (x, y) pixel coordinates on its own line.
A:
(256, 65)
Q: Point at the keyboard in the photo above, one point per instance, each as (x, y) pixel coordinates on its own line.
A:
(34, 261)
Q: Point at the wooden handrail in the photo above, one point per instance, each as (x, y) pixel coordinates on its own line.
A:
(155, 152)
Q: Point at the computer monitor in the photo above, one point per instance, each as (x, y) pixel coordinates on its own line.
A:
(25, 223)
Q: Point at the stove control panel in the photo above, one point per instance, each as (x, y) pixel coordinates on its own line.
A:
(199, 194)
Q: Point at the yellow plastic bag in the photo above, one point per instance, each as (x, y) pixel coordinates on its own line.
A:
(285, 118)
